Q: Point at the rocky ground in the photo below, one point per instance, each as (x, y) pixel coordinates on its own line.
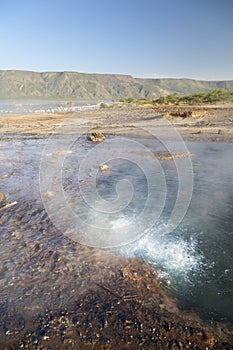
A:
(60, 295)
(56, 294)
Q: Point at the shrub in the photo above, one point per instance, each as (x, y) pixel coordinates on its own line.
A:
(103, 105)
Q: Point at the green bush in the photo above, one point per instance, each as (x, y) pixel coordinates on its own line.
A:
(174, 99)
(202, 97)
(103, 105)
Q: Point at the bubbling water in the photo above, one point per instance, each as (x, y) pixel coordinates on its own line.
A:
(175, 258)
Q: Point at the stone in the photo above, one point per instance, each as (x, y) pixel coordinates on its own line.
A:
(183, 114)
(104, 167)
(96, 136)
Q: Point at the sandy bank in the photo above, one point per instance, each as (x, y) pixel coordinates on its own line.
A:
(215, 124)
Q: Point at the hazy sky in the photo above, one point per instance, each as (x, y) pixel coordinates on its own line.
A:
(143, 38)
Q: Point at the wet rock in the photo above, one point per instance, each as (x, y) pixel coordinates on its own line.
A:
(96, 136)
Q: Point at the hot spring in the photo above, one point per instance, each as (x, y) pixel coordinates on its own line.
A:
(193, 260)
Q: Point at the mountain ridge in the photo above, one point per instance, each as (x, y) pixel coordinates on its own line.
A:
(21, 84)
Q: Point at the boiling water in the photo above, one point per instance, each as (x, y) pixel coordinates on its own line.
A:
(194, 261)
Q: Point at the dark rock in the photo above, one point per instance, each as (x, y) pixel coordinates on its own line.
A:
(182, 114)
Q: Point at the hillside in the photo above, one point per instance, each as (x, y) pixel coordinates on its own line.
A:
(73, 85)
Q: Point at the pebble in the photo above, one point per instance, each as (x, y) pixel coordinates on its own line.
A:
(104, 167)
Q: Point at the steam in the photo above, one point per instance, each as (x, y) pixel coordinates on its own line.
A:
(116, 216)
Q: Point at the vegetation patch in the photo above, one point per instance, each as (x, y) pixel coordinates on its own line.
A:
(220, 95)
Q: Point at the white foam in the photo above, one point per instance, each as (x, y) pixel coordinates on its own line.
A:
(174, 257)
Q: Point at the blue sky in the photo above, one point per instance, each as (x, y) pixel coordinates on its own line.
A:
(143, 38)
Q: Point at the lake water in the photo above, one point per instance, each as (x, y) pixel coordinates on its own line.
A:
(194, 261)
(41, 106)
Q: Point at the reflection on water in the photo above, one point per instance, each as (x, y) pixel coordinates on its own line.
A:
(194, 262)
